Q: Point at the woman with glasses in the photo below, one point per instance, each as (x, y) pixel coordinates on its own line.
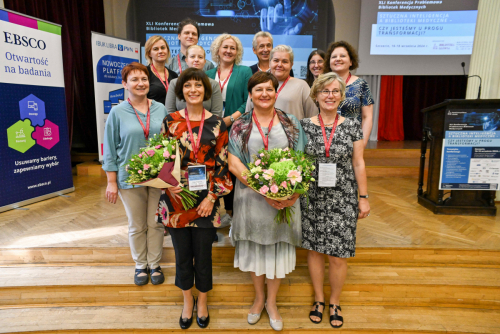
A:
(342, 58)
(330, 215)
(315, 63)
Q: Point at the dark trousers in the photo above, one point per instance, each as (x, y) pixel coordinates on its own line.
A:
(229, 198)
(193, 243)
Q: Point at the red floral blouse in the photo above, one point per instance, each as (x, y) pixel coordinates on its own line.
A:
(213, 154)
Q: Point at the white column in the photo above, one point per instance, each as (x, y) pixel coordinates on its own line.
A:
(485, 59)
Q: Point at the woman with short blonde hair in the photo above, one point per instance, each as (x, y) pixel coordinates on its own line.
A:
(330, 216)
(232, 78)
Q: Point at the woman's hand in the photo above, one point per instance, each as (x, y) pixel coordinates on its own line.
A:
(205, 208)
(364, 208)
(227, 120)
(112, 192)
(275, 204)
(174, 191)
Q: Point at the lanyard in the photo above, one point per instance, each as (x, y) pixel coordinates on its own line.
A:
(282, 86)
(328, 143)
(348, 77)
(225, 81)
(144, 128)
(179, 62)
(265, 138)
(165, 84)
(196, 147)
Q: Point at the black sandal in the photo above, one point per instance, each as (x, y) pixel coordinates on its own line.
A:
(141, 280)
(317, 313)
(335, 316)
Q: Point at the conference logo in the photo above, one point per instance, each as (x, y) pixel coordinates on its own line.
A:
(33, 128)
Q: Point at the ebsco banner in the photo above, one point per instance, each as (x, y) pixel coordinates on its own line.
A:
(109, 56)
(34, 146)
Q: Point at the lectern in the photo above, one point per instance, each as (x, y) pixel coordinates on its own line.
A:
(460, 128)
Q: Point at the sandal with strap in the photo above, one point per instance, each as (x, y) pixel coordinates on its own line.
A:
(157, 279)
(141, 280)
(316, 312)
(335, 316)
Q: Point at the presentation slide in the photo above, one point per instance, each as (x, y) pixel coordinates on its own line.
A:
(423, 28)
(302, 24)
(416, 37)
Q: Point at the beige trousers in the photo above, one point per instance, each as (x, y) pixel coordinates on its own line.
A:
(145, 235)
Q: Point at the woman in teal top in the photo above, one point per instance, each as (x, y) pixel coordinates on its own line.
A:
(227, 53)
(126, 131)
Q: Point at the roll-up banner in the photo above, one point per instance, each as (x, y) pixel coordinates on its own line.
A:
(34, 141)
(109, 55)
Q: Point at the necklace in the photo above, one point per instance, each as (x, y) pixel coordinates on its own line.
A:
(329, 124)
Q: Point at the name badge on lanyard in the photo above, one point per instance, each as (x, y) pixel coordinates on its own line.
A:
(327, 175)
(327, 172)
(197, 177)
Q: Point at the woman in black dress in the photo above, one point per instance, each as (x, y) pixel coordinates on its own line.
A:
(157, 52)
(330, 215)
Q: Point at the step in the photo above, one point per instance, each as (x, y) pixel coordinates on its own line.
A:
(233, 319)
(225, 255)
(365, 285)
(392, 171)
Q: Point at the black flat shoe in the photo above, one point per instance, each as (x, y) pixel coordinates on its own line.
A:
(186, 323)
(316, 312)
(158, 279)
(335, 316)
(141, 280)
(203, 321)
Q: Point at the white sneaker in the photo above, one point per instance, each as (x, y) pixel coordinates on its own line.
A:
(225, 221)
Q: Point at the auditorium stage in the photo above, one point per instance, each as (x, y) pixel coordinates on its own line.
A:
(66, 267)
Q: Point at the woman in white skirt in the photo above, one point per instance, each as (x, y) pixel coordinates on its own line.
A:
(263, 248)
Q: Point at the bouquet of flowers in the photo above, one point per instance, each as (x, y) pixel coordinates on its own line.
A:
(158, 165)
(278, 174)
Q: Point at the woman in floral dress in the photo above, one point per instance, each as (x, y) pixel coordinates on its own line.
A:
(203, 140)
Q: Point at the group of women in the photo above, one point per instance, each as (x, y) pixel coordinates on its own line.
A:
(221, 118)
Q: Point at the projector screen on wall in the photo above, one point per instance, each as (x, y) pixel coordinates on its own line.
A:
(416, 37)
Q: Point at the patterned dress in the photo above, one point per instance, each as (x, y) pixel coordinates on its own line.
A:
(357, 95)
(329, 221)
(212, 154)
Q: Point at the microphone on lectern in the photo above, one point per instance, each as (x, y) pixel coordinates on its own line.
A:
(472, 76)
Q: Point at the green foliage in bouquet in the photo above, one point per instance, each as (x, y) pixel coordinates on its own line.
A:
(147, 164)
(278, 174)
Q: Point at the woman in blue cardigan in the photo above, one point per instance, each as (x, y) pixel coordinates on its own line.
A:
(227, 53)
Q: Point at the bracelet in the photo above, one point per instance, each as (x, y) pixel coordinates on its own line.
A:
(211, 198)
(231, 118)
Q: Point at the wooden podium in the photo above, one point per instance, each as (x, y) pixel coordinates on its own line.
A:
(459, 202)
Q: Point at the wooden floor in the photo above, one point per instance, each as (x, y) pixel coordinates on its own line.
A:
(85, 219)
(65, 267)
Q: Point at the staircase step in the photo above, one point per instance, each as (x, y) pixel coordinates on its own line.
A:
(365, 285)
(233, 319)
(225, 255)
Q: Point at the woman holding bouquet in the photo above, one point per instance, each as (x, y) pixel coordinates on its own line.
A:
(263, 248)
(329, 218)
(128, 127)
(203, 139)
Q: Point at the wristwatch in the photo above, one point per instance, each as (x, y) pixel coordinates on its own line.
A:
(211, 198)
(231, 118)
(363, 196)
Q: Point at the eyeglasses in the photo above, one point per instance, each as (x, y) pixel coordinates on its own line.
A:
(327, 92)
(319, 62)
